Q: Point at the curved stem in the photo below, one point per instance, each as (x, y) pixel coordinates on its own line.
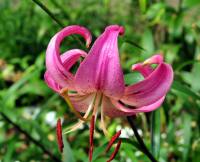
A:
(139, 139)
(37, 143)
(43, 7)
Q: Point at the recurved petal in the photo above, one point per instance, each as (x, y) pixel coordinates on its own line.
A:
(155, 59)
(145, 67)
(150, 107)
(151, 89)
(54, 64)
(144, 70)
(120, 109)
(101, 69)
(51, 83)
(68, 59)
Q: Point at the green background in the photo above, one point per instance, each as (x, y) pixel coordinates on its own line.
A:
(171, 27)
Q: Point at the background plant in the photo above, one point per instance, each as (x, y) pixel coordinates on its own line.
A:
(29, 109)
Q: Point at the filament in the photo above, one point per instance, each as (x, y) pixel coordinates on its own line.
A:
(96, 104)
(64, 93)
(103, 126)
(79, 124)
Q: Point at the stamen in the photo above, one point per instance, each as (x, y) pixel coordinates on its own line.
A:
(92, 122)
(113, 139)
(92, 129)
(79, 124)
(59, 135)
(115, 151)
(64, 93)
(96, 104)
(103, 126)
(74, 127)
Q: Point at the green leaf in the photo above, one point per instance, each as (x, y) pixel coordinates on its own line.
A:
(10, 151)
(155, 133)
(193, 77)
(134, 44)
(187, 134)
(156, 12)
(171, 132)
(30, 73)
(132, 142)
(191, 3)
(99, 151)
(148, 42)
(184, 89)
(102, 159)
(133, 77)
(67, 154)
(143, 5)
(182, 65)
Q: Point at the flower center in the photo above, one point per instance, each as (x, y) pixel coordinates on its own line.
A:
(93, 109)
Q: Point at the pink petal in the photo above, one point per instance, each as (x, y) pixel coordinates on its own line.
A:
(151, 107)
(51, 83)
(155, 59)
(151, 89)
(130, 111)
(81, 102)
(101, 69)
(68, 59)
(54, 64)
(144, 68)
(114, 108)
(112, 111)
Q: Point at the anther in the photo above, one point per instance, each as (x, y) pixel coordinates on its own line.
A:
(59, 135)
(115, 151)
(113, 139)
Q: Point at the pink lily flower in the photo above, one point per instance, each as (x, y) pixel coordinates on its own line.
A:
(98, 84)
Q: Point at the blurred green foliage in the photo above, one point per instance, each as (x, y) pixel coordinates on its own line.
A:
(171, 27)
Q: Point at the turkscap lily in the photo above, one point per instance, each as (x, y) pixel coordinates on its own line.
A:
(98, 84)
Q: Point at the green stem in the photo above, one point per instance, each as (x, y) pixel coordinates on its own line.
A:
(37, 143)
(155, 133)
(43, 7)
(139, 139)
(61, 7)
(49, 13)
